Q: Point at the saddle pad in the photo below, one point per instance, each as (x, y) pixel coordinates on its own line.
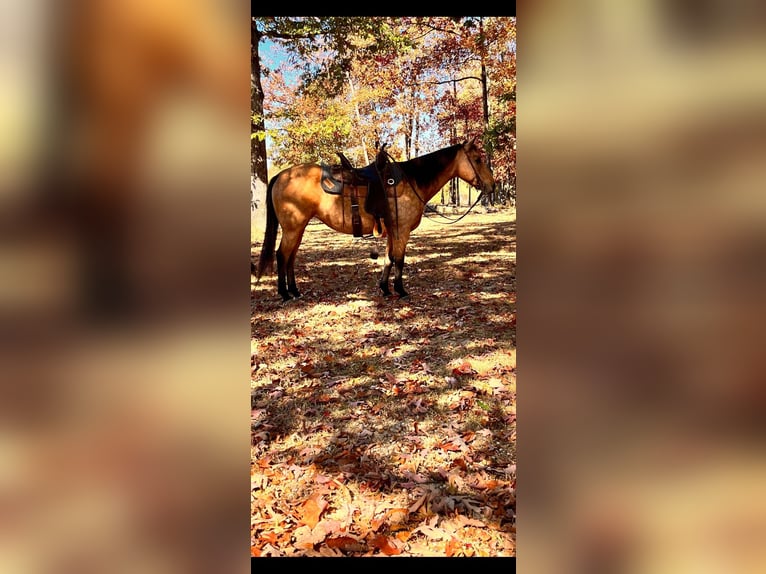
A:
(329, 183)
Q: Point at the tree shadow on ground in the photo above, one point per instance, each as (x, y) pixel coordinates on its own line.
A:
(349, 382)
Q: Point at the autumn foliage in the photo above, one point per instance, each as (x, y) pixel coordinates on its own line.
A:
(412, 82)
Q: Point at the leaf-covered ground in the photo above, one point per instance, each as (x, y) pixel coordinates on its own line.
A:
(383, 426)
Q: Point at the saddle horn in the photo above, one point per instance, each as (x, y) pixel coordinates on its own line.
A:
(381, 158)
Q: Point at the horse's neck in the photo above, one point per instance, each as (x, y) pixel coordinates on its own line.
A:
(440, 181)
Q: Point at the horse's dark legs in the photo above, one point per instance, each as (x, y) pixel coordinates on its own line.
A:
(292, 288)
(386, 273)
(398, 265)
(282, 277)
(398, 281)
(395, 258)
(288, 249)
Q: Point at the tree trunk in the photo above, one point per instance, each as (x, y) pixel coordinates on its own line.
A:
(416, 132)
(358, 119)
(258, 166)
(485, 103)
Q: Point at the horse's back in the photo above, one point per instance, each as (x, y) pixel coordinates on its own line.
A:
(298, 185)
(302, 179)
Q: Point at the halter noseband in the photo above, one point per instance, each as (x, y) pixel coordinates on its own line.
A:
(475, 172)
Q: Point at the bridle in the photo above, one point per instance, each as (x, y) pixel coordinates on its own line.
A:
(476, 173)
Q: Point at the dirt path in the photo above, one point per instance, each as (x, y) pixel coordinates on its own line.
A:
(387, 426)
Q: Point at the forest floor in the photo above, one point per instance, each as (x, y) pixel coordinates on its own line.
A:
(383, 426)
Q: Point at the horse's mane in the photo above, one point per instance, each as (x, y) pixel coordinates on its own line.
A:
(425, 168)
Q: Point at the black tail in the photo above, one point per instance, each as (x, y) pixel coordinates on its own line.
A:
(266, 260)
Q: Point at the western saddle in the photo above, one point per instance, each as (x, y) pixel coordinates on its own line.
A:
(377, 177)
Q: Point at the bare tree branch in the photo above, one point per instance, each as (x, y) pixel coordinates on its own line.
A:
(455, 80)
(437, 29)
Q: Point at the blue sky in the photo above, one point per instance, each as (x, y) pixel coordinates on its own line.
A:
(273, 56)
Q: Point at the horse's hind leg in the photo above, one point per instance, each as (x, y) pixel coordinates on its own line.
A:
(281, 276)
(292, 288)
(288, 249)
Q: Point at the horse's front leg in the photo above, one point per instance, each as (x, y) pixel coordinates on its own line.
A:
(397, 258)
(389, 261)
(398, 280)
(385, 275)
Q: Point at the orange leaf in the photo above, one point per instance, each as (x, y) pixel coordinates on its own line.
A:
(313, 509)
(270, 537)
(448, 446)
(452, 546)
(460, 463)
(307, 368)
(397, 514)
(464, 369)
(345, 543)
(376, 523)
(384, 545)
(488, 484)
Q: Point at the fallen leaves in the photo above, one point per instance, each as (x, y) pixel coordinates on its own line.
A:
(382, 427)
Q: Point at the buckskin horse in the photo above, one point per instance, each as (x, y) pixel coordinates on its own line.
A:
(296, 195)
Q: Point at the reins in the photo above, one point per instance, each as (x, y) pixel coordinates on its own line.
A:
(450, 221)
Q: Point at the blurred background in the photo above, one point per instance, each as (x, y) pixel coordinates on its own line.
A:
(124, 291)
(642, 275)
(124, 178)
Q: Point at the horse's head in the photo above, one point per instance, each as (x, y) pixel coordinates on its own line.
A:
(472, 167)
